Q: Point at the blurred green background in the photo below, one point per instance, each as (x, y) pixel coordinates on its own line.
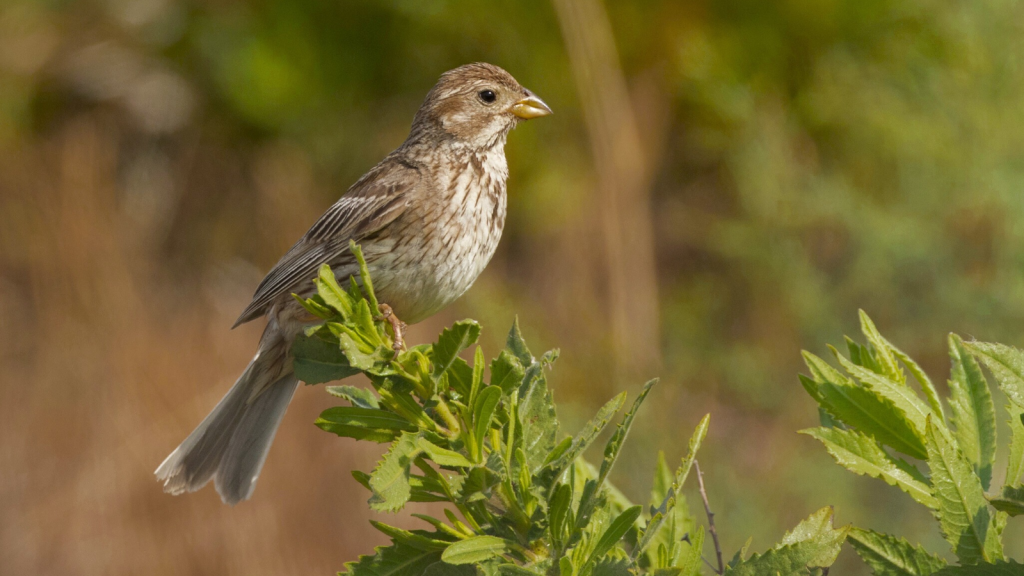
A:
(723, 183)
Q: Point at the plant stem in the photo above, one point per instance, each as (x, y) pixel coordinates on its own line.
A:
(711, 520)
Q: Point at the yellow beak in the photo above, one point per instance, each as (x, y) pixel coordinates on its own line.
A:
(530, 107)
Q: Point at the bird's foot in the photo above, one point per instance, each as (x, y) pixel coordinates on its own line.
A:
(397, 326)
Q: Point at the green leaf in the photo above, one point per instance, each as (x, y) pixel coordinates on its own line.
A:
(361, 397)
(397, 560)
(537, 420)
(390, 480)
(864, 409)
(615, 531)
(668, 504)
(996, 569)
(452, 341)
(558, 510)
(963, 512)
(331, 293)
(1011, 500)
(415, 540)
(475, 549)
(317, 361)
(861, 454)
(891, 556)
(611, 567)
(923, 380)
(442, 568)
(882, 350)
(1015, 460)
(517, 346)
(507, 372)
(442, 456)
(818, 528)
(611, 450)
(692, 561)
(363, 423)
(589, 433)
(974, 414)
(483, 411)
(364, 274)
(1007, 363)
(899, 394)
(813, 544)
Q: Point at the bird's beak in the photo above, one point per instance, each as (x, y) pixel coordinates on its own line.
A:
(530, 107)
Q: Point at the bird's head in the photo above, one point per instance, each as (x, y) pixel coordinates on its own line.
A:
(477, 104)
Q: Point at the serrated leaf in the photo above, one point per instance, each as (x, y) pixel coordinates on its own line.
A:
(861, 454)
(478, 484)
(390, 480)
(1010, 500)
(442, 456)
(611, 450)
(317, 361)
(995, 569)
(882, 350)
(611, 567)
(475, 549)
(813, 544)
(538, 423)
(692, 560)
(818, 529)
(963, 512)
(922, 378)
(668, 504)
(363, 423)
(672, 523)
(517, 346)
(507, 372)
(361, 397)
(1015, 460)
(589, 433)
(452, 341)
(1006, 363)
(409, 538)
(864, 409)
(397, 560)
(899, 394)
(891, 556)
(973, 413)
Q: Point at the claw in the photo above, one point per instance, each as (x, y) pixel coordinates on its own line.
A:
(397, 326)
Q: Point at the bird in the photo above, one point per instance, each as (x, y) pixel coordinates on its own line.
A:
(428, 218)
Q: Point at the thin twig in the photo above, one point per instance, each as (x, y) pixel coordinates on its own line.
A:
(711, 520)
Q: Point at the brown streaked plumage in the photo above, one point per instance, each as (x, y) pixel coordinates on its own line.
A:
(428, 216)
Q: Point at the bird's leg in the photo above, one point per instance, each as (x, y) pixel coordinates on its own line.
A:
(397, 326)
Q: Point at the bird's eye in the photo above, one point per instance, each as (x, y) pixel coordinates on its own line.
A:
(488, 96)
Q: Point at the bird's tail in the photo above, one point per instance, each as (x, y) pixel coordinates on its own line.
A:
(231, 444)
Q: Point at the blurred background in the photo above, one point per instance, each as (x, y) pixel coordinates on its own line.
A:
(724, 183)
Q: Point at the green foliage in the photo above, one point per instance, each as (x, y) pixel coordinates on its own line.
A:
(872, 412)
(519, 498)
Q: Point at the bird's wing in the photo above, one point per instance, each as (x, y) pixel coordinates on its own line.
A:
(371, 204)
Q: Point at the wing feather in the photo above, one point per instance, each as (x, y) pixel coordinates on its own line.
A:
(371, 204)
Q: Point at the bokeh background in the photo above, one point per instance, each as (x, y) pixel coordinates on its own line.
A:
(724, 183)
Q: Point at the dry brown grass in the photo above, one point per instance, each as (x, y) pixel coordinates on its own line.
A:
(107, 361)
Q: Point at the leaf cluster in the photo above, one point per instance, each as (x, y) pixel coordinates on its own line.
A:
(875, 423)
(484, 439)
